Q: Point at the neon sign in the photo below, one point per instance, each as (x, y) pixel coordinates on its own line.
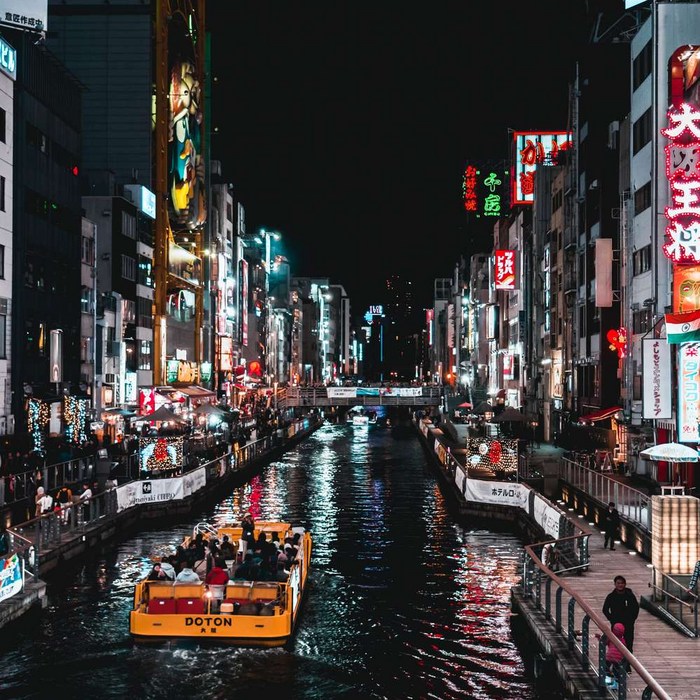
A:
(533, 150)
(504, 270)
(683, 175)
(618, 341)
(469, 189)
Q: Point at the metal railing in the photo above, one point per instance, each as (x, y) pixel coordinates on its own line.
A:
(675, 601)
(632, 504)
(559, 603)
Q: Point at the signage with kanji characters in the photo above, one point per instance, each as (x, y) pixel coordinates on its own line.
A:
(682, 157)
(485, 189)
(504, 270)
(533, 150)
(30, 15)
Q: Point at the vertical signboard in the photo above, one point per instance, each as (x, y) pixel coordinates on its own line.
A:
(603, 273)
(656, 363)
(56, 356)
(504, 270)
(532, 150)
(688, 391)
(243, 302)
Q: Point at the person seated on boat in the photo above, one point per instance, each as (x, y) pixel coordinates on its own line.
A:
(248, 570)
(282, 572)
(157, 573)
(260, 547)
(187, 575)
(227, 549)
(216, 580)
(213, 553)
(168, 567)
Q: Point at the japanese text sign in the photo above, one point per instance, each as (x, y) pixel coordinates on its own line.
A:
(532, 150)
(682, 157)
(504, 270)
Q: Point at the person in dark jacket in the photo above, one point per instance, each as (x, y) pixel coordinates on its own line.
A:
(611, 526)
(621, 605)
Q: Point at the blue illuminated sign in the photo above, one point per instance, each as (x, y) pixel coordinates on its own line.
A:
(8, 59)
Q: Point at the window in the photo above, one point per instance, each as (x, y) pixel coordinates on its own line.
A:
(641, 321)
(129, 225)
(145, 272)
(145, 312)
(641, 66)
(2, 262)
(3, 336)
(641, 132)
(87, 253)
(3, 127)
(2, 193)
(642, 198)
(145, 355)
(641, 260)
(85, 299)
(128, 268)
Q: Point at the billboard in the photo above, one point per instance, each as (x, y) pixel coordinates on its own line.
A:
(686, 288)
(30, 15)
(533, 150)
(186, 167)
(504, 270)
(656, 363)
(688, 392)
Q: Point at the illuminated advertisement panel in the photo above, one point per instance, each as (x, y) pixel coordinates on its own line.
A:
(656, 363)
(429, 313)
(533, 149)
(243, 302)
(504, 270)
(187, 201)
(683, 214)
(686, 288)
(688, 391)
(226, 354)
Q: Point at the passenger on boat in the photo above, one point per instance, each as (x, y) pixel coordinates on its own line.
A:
(216, 580)
(156, 573)
(187, 575)
(248, 570)
(168, 569)
(227, 548)
(248, 526)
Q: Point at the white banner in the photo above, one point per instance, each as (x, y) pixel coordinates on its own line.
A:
(341, 392)
(160, 490)
(502, 493)
(31, 15)
(546, 516)
(656, 374)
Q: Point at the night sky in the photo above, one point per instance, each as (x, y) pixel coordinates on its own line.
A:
(347, 126)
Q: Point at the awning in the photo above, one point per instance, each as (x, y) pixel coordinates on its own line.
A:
(600, 414)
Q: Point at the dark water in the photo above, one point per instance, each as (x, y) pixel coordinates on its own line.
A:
(404, 602)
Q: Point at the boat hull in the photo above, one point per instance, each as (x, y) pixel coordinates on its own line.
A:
(252, 613)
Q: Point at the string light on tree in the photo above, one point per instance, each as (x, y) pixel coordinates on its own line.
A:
(37, 419)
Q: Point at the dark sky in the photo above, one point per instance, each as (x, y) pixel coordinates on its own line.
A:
(346, 126)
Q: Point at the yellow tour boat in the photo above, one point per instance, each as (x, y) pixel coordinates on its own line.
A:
(252, 613)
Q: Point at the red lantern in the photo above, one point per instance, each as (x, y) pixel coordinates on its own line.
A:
(254, 368)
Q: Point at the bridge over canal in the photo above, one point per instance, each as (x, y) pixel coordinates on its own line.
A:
(322, 396)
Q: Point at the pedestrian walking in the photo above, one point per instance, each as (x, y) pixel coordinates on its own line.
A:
(621, 605)
(611, 525)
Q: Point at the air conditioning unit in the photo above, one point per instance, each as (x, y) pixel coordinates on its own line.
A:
(635, 307)
(110, 379)
(3, 306)
(114, 349)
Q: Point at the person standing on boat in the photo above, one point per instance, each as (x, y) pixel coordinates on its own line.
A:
(216, 580)
(248, 534)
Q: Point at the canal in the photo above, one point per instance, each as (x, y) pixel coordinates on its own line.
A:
(404, 601)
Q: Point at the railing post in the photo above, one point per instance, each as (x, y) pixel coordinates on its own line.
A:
(557, 622)
(571, 637)
(602, 663)
(548, 598)
(585, 624)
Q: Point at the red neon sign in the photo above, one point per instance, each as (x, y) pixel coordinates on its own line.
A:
(683, 175)
(504, 270)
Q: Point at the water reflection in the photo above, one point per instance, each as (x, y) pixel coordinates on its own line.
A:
(403, 602)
